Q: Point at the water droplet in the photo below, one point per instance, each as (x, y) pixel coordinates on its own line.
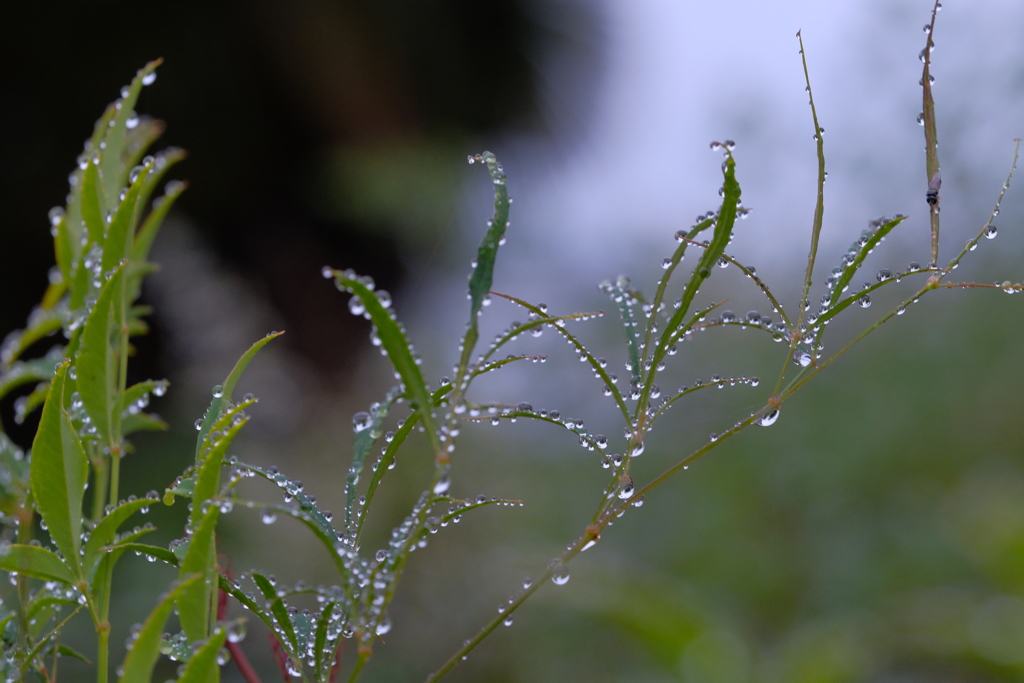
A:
(561, 575)
(626, 491)
(768, 419)
(883, 275)
(269, 517)
(199, 424)
(801, 358)
(327, 272)
(149, 78)
(728, 317)
(507, 621)
(990, 231)
(442, 485)
(355, 306)
(864, 301)
(361, 421)
(753, 317)
(217, 391)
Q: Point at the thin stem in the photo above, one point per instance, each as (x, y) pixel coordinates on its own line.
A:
(992, 216)
(819, 206)
(102, 652)
(42, 642)
(462, 652)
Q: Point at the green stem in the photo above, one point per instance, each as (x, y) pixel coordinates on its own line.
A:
(102, 652)
(360, 663)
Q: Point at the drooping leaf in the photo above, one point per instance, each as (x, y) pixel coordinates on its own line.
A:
(216, 405)
(59, 472)
(194, 607)
(305, 505)
(141, 659)
(35, 561)
(203, 667)
(395, 343)
(154, 551)
(105, 532)
(41, 322)
(97, 364)
(27, 371)
(142, 422)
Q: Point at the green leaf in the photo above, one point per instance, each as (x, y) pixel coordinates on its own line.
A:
(203, 667)
(42, 322)
(320, 640)
(216, 405)
(68, 651)
(483, 274)
(161, 205)
(46, 602)
(63, 250)
(121, 231)
(305, 505)
(93, 206)
(27, 371)
(285, 627)
(113, 152)
(194, 607)
(141, 659)
(105, 532)
(363, 443)
(137, 391)
(97, 366)
(211, 457)
(156, 552)
(35, 561)
(399, 351)
(59, 472)
(142, 422)
(850, 270)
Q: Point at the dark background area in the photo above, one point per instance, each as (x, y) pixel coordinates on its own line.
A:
(260, 94)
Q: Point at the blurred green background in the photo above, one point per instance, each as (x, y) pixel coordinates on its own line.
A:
(874, 533)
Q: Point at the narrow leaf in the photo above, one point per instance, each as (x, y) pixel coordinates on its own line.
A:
(141, 659)
(363, 443)
(59, 471)
(115, 136)
(93, 205)
(194, 606)
(156, 552)
(97, 365)
(28, 371)
(203, 666)
(483, 274)
(121, 231)
(105, 532)
(35, 561)
(211, 458)
(217, 404)
(399, 351)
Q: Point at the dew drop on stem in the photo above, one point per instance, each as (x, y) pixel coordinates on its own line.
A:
(560, 576)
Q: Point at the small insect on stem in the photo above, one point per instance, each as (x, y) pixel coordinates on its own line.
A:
(932, 196)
